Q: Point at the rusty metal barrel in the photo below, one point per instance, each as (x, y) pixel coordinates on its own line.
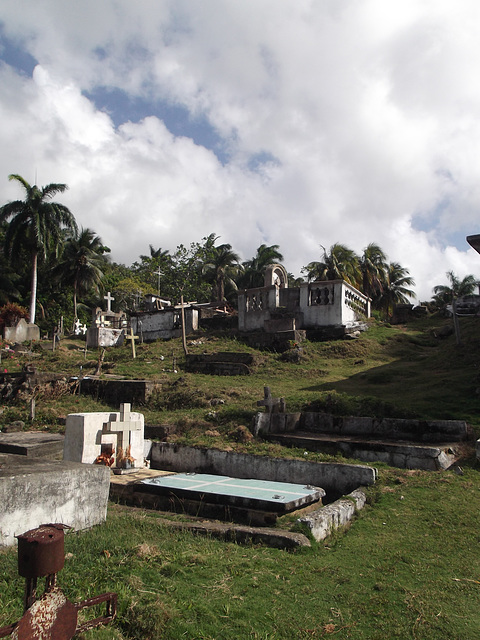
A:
(41, 551)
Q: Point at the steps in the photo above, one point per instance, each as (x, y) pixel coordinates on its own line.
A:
(408, 444)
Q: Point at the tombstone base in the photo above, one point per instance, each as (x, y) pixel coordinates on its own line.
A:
(122, 472)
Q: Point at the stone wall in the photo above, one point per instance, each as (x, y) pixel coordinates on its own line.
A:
(222, 363)
(431, 431)
(335, 478)
(117, 391)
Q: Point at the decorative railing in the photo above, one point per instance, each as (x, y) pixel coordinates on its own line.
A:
(256, 301)
(356, 301)
(321, 295)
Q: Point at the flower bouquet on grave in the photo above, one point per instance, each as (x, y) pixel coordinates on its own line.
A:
(106, 455)
(124, 458)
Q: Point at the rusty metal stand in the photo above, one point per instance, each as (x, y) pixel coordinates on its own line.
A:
(51, 617)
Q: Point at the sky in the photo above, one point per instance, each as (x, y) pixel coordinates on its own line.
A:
(293, 122)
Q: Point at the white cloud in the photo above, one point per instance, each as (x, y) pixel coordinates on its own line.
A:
(369, 110)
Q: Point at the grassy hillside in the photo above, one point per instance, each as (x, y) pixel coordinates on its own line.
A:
(402, 371)
(406, 568)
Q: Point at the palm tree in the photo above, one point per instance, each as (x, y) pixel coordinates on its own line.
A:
(339, 263)
(156, 254)
(395, 289)
(374, 270)
(223, 266)
(254, 269)
(36, 224)
(444, 294)
(82, 262)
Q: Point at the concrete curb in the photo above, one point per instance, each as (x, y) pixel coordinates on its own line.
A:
(240, 534)
(326, 520)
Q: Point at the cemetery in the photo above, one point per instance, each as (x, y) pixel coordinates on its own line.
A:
(200, 478)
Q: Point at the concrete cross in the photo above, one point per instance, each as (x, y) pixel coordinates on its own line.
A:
(272, 405)
(109, 298)
(132, 338)
(122, 428)
(77, 327)
(158, 273)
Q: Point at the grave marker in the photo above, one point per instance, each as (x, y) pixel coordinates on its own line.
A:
(132, 338)
(122, 428)
(271, 404)
(109, 298)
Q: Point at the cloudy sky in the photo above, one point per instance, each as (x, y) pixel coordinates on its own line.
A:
(292, 122)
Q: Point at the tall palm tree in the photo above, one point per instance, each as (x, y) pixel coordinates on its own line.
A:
(222, 266)
(396, 288)
(254, 269)
(339, 263)
(445, 294)
(36, 224)
(82, 261)
(374, 270)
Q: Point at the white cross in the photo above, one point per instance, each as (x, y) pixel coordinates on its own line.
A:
(158, 273)
(109, 298)
(122, 428)
(77, 327)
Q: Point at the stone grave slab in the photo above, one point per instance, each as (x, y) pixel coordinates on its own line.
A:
(34, 491)
(278, 497)
(33, 444)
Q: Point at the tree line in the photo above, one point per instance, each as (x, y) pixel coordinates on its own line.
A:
(56, 268)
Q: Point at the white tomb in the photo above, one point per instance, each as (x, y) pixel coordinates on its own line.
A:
(85, 434)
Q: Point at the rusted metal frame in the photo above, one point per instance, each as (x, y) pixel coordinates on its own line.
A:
(30, 594)
(8, 630)
(111, 610)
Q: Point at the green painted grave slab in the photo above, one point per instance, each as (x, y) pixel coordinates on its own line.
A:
(280, 497)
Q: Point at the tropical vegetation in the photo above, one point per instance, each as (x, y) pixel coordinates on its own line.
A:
(36, 225)
(58, 270)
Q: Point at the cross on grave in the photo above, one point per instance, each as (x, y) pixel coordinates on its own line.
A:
(158, 273)
(132, 338)
(123, 427)
(109, 298)
(272, 405)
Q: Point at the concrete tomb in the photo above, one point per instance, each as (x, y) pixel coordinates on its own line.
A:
(409, 444)
(115, 439)
(276, 308)
(280, 497)
(35, 491)
(107, 328)
(164, 323)
(21, 332)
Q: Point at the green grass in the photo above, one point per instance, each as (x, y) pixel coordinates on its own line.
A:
(406, 568)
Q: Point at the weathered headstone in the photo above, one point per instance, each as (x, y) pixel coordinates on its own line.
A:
(87, 433)
(271, 404)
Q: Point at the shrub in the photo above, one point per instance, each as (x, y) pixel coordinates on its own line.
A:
(11, 313)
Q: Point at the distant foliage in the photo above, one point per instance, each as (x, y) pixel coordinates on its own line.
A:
(11, 313)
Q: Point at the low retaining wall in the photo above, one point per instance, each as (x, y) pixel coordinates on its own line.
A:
(335, 478)
(221, 364)
(116, 392)
(431, 431)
